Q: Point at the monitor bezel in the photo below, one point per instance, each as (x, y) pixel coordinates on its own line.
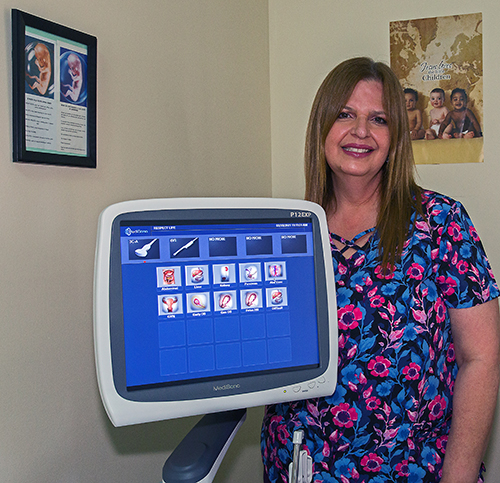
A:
(234, 391)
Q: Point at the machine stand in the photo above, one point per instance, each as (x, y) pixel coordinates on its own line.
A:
(199, 455)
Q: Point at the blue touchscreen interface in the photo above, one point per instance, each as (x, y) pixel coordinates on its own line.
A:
(204, 300)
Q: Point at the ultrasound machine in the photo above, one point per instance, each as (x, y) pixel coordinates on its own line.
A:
(208, 306)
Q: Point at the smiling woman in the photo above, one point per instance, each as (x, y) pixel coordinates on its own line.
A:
(418, 317)
(395, 198)
(359, 140)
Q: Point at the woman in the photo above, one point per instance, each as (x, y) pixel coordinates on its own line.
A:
(418, 319)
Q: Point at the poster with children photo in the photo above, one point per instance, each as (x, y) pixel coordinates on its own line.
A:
(439, 64)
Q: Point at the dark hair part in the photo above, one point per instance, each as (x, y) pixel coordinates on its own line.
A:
(400, 195)
(413, 92)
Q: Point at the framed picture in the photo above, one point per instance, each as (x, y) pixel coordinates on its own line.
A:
(439, 63)
(54, 73)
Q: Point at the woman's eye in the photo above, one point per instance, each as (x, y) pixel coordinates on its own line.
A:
(380, 120)
(344, 115)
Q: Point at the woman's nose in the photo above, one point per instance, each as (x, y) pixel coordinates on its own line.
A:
(360, 127)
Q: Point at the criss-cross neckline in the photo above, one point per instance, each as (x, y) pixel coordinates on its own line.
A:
(351, 243)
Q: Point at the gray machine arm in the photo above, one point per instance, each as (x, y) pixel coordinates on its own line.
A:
(199, 455)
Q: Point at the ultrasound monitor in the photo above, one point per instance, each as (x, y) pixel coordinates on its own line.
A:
(204, 305)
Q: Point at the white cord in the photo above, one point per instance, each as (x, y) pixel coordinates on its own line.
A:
(298, 436)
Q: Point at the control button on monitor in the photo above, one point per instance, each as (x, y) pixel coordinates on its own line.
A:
(198, 302)
(143, 249)
(197, 275)
(294, 244)
(251, 299)
(184, 247)
(275, 271)
(250, 272)
(170, 304)
(226, 301)
(224, 273)
(222, 246)
(168, 277)
(276, 297)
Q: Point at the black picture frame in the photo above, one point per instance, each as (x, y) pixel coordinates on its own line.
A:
(54, 81)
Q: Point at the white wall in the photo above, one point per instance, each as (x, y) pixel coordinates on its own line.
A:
(307, 39)
(183, 110)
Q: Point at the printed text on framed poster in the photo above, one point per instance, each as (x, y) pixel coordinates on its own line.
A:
(54, 93)
(439, 64)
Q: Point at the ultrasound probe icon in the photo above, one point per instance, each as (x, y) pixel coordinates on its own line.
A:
(185, 247)
(143, 252)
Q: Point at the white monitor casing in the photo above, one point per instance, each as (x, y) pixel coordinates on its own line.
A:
(124, 411)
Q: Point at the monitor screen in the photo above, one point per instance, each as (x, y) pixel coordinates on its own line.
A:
(205, 305)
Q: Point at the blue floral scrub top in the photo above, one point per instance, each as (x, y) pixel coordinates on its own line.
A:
(389, 418)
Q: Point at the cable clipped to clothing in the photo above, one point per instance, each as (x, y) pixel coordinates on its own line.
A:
(300, 469)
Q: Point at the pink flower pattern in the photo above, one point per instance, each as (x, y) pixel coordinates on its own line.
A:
(390, 415)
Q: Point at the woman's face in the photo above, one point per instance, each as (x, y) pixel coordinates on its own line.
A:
(358, 142)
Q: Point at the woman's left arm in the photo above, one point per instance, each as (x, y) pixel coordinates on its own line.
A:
(476, 338)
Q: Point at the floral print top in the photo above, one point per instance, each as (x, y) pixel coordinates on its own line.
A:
(389, 418)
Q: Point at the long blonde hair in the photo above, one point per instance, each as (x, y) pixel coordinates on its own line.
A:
(400, 195)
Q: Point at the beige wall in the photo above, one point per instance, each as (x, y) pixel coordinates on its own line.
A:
(307, 39)
(183, 110)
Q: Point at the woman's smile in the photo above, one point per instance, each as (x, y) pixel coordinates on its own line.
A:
(357, 150)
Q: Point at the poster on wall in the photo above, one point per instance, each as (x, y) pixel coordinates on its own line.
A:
(439, 62)
(54, 93)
